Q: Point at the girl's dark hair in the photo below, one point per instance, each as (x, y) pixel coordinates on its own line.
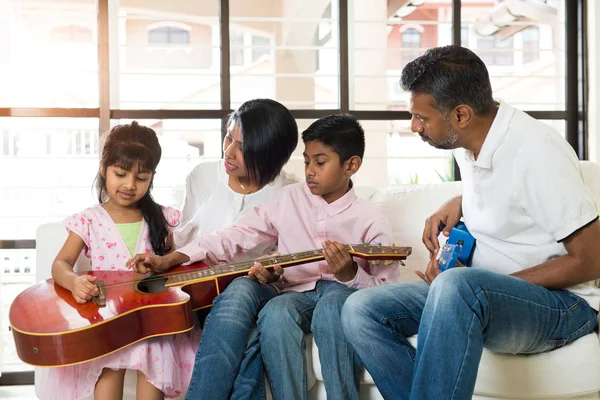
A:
(269, 136)
(124, 146)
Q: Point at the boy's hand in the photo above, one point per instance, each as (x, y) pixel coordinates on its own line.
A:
(340, 261)
(83, 288)
(263, 275)
(144, 263)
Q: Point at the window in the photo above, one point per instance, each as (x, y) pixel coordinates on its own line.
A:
(5, 42)
(261, 46)
(531, 44)
(168, 35)
(464, 36)
(236, 43)
(411, 39)
(71, 33)
(494, 51)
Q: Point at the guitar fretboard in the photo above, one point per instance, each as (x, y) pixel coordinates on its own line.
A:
(287, 260)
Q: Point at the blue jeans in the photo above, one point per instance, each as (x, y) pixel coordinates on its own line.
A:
(228, 362)
(464, 310)
(282, 324)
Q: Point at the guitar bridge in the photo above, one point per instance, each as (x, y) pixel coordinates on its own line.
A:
(100, 300)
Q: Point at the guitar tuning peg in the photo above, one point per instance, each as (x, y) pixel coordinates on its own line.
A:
(393, 245)
(370, 251)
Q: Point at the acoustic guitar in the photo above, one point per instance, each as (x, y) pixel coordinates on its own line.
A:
(51, 329)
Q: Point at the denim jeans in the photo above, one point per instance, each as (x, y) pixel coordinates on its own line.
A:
(282, 324)
(228, 362)
(464, 310)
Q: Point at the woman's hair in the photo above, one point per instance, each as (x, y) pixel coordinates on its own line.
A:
(269, 136)
(124, 146)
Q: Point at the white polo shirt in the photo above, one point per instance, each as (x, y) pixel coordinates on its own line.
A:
(523, 195)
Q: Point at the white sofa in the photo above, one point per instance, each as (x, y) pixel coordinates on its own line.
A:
(571, 372)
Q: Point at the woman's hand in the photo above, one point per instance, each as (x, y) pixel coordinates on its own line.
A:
(83, 288)
(340, 262)
(447, 216)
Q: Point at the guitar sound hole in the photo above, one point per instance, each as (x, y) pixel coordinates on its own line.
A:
(152, 284)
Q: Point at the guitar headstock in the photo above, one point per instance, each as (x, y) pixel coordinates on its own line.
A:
(369, 252)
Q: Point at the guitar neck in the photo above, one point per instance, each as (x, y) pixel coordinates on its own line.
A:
(362, 251)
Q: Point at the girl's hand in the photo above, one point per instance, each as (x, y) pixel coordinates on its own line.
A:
(83, 288)
(144, 263)
(263, 275)
(340, 261)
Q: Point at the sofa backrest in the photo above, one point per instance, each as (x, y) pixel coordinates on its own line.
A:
(406, 207)
(49, 239)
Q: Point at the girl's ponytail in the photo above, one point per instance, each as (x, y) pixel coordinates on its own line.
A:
(157, 224)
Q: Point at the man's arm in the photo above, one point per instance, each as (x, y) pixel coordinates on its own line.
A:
(581, 264)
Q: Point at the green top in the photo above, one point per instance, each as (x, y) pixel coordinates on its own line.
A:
(130, 233)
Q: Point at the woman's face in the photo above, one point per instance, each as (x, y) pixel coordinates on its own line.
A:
(232, 152)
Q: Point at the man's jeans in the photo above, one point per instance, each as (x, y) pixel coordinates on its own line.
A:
(228, 362)
(282, 324)
(464, 310)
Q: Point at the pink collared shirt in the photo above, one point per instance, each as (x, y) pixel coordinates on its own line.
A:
(296, 220)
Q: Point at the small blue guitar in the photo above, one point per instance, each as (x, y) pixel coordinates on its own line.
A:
(459, 247)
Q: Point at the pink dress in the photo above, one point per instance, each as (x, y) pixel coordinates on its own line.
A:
(165, 361)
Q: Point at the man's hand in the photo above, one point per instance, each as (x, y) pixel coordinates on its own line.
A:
(448, 215)
(340, 261)
(83, 288)
(144, 263)
(433, 270)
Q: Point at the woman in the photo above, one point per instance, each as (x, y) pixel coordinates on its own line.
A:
(261, 136)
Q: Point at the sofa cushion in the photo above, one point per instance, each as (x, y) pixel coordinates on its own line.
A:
(407, 208)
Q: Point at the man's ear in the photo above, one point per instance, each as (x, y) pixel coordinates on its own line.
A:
(462, 115)
(353, 164)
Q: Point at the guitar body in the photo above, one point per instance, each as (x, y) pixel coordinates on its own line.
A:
(51, 329)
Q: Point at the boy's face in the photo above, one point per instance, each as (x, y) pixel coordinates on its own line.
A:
(324, 175)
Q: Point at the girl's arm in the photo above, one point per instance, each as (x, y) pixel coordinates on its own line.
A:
(81, 286)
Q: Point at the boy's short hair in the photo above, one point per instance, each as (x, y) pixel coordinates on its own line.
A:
(340, 132)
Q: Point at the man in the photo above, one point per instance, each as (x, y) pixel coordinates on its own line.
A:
(536, 228)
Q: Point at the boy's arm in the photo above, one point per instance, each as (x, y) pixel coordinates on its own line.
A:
(254, 231)
(380, 272)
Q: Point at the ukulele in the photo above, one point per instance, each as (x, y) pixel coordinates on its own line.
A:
(51, 329)
(459, 248)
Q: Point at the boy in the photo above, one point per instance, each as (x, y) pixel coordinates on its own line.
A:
(325, 212)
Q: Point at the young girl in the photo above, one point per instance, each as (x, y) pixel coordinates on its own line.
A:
(127, 221)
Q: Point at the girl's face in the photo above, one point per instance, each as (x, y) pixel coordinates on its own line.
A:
(232, 152)
(125, 188)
